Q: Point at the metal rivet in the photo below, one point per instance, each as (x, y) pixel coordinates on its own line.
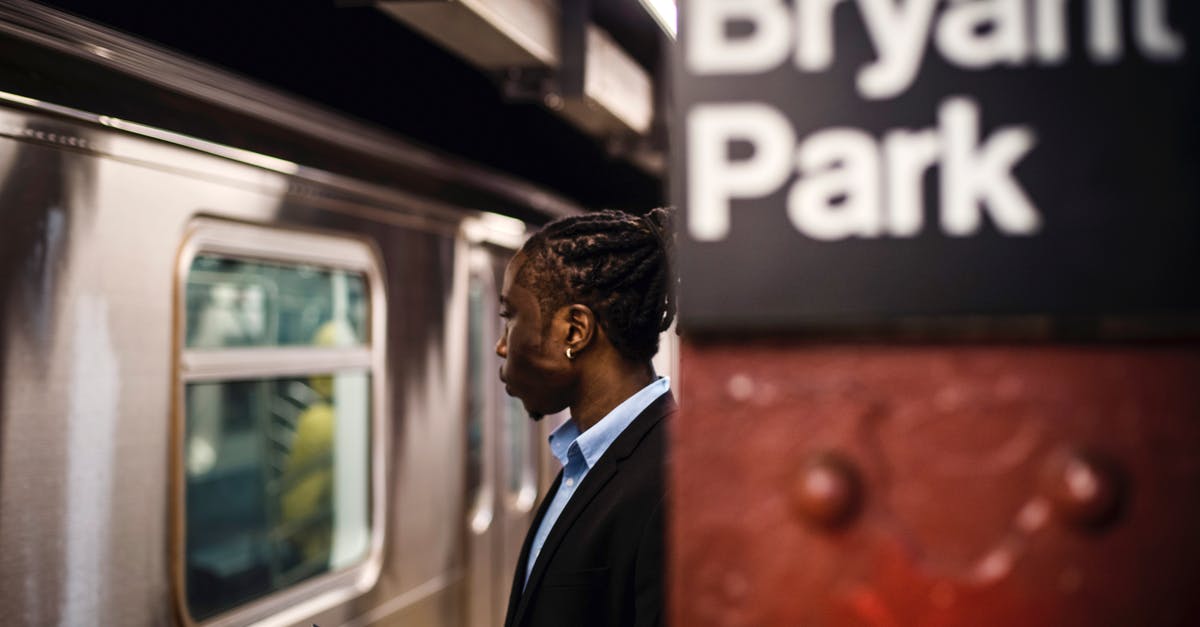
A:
(1085, 488)
(828, 491)
(740, 388)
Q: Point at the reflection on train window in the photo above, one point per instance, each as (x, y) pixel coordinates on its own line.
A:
(285, 496)
(477, 404)
(518, 434)
(277, 453)
(239, 302)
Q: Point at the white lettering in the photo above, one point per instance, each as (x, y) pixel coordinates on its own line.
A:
(898, 29)
(849, 184)
(1104, 31)
(983, 33)
(711, 51)
(908, 154)
(1050, 31)
(972, 34)
(978, 176)
(1154, 35)
(814, 34)
(837, 195)
(714, 179)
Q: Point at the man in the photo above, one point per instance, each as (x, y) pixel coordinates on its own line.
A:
(585, 300)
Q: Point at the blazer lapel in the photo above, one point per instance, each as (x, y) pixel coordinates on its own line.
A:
(518, 585)
(600, 474)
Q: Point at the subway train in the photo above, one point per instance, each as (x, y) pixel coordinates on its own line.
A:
(238, 385)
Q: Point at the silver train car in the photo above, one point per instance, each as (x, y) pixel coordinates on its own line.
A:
(237, 387)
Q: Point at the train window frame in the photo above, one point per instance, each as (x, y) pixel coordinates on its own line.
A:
(481, 408)
(304, 247)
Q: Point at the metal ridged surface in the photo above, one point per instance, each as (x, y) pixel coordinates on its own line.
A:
(87, 272)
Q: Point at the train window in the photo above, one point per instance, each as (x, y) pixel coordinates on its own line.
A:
(480, 356)
(239, 302)
(519, 442)
(263, 516)
(281, 457)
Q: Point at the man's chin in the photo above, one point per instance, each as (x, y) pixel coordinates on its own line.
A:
(534, 414)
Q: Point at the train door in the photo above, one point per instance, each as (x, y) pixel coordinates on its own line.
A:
(505, 471)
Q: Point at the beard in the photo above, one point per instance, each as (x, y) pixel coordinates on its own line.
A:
(536, 417)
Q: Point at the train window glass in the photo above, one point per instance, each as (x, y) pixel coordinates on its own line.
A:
(240, 302)
(477, 403)
(516, 431)
(282, 492)
(282, 441)
(518, 435)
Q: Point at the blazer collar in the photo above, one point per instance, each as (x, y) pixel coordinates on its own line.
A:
(592, 484)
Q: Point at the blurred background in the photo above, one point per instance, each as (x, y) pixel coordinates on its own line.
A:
(937, 352)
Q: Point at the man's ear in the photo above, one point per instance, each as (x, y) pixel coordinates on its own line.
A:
(580, 327)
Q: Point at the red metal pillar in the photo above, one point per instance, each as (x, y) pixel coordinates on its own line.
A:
(929, 485)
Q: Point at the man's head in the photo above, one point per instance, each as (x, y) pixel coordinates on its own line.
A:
(598, 284)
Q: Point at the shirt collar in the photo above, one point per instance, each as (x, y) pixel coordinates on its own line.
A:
(562, 438)
(593, 442)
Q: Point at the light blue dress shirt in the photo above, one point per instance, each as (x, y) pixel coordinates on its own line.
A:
(578, 452)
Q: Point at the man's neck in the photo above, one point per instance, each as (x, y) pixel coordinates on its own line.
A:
(602, 396)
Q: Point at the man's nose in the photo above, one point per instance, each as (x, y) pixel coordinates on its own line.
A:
(502, 347)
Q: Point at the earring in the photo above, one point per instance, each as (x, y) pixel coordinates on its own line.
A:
(569, 355)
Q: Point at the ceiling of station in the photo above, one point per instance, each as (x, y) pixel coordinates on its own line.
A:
(354, 59)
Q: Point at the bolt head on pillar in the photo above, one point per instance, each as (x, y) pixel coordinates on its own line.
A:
(828, 491)
(1086, 488)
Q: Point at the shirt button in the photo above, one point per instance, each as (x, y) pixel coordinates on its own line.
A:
(570, 482)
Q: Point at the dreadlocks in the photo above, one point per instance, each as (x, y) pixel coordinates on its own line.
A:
(617, 264)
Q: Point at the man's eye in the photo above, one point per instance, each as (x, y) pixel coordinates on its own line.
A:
(504, 313)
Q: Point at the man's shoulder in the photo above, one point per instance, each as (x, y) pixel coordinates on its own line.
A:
(642, 465)
(648, 430)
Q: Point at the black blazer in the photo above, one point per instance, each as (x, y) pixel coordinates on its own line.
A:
(602, 564)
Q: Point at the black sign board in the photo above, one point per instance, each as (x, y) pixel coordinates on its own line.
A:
(845, 161)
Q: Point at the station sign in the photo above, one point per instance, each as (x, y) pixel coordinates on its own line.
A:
(847, 161)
